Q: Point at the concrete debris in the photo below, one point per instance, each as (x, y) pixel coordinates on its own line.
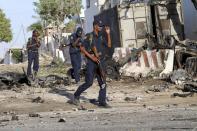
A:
(38, 100)
(15, 118)
(190, 87)
(16, 80)
(82, 108)
(180, 76)
(183, 94)
(168, 64)
(91, 110)
(75, 109)
(137, 62)
(62, 120)
(158, 88)
(52, 80)
(4, 120)
(34, 115)
(10, 80)
(128, 99)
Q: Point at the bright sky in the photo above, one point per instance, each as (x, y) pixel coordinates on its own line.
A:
(20, 13)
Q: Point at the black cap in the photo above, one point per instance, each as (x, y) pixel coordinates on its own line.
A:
(98, 22)
(79, 31)
(35, 30)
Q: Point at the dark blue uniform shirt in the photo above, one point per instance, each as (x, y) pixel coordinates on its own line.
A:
(73, 49)
(100, 43)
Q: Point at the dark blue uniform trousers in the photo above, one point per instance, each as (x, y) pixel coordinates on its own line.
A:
(76, 64)
(33, 58)
(92, 71)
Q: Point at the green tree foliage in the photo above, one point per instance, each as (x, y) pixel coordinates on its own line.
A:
(38, 26)
(70, 26)
(5, 28)
(57, 10)
(16, 55)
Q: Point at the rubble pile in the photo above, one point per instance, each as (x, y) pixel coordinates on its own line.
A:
(180, 76)
(175, 60)
(11, 80)
(17, 80)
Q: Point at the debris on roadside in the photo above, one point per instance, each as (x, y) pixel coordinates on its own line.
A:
(75, 109)
(62, 120)
(82, 108)
(128, 99)
(4, 120)
(15, 118)
(183, 94)
(34, 115)
(52, 80)
(38, 100)
(16, 80)
(180, 76)
(158, 88)
(189, 89)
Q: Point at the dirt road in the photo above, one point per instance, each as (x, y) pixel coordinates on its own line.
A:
(135, 107)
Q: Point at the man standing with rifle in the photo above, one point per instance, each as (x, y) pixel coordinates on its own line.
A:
(94, 51)
(33, 55)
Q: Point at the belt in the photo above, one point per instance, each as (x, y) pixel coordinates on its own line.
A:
(35, 51)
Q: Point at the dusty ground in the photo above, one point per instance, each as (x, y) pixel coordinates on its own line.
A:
(133, 108)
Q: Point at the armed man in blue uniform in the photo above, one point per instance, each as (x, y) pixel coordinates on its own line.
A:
(33, 45)
(75, 54)
(94, 51)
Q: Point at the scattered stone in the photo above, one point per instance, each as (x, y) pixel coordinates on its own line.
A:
(168, 105)
(175, 104)
(15, 118)
(6, 113)
(192, 105)
(75, 109)
(158, 88)
(4, 120)
(144, 105)
(183, 95)
(34, 115)
(82, 108)
(62, 120)
(16, 81)
(38, 100)
(130, 99)
(91, 110)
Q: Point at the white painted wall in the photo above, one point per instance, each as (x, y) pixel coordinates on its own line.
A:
(190, 19)
(89, 15)
(8, 58)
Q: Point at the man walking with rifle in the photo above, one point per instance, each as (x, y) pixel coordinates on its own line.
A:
(75, 54)
(94, 51)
